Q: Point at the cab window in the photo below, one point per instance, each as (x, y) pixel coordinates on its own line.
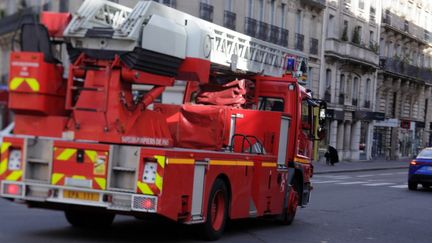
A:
(271, 104)
(306, 117)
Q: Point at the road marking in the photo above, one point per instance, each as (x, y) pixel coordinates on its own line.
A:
(378, 184)
(352, 183)
(361, 176)
(400, 186)
(385, 174)
(322, 182)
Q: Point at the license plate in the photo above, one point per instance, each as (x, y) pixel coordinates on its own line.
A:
(86, 196)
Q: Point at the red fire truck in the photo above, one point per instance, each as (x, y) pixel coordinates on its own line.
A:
(95, 137)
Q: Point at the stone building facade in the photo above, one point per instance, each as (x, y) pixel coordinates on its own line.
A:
(349, 74)
(405, 79)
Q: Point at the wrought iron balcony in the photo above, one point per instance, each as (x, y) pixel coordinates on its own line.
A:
(313, 49)
(206, 11)
(274, 34)
(299, 42)
(283, 39)
(230, 20)
(321, 4)
(250, 26)
(398, 24)
(400, 68)
(351, 52)
(263, 30)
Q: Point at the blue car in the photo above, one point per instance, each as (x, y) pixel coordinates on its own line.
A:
(420, 170)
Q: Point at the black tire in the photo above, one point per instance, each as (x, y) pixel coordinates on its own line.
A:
(85, 219)
(289, 213)
(217, 211)
(412, 185)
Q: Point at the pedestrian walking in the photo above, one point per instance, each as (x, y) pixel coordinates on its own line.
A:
(331, 156)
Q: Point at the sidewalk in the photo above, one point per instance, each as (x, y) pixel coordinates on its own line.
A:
(320, 167)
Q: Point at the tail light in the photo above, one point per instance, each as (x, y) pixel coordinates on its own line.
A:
(12, 189)
(144, 203)
(413, 162)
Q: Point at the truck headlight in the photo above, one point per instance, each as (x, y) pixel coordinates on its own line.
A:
(14, 162)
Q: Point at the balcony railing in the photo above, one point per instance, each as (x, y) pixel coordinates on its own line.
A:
(263, 30)
(351, 52)
(274, 34)
(250, 26)
(230, 20)
(299, 41)
(396, 23)
(313, 46)
(283, 39)
(321, 4)
(206, 11)
(401, 68)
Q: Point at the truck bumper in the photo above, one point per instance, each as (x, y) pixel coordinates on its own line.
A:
(110, 200)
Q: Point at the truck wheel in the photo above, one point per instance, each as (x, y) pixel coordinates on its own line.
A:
(412, 185)
(217, 211)
(84, 219)
(290, 212)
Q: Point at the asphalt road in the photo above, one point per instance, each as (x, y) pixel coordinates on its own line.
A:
(373, 206)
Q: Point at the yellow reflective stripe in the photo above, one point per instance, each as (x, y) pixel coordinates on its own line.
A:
(14, 176)
(161, 160)
(181, 161)
(79, 177)
(158, 182)
(66, 154)
(268, 164)
(101, 182)
(92, 155)
(232, 163)
(5, 146)
(56, 177)
(144, 188)
(3, 166)
(17, 81)
(301, 160)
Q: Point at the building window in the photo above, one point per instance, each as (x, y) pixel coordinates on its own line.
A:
(367, 93)
(354, 92)
(342, 89)
(206, 11)
(283, 15)
(330, 27)
(356, 38)
(313, 46)
(361, 4)
(327, 94)
(170, 3)
(344, 36)
(272, 12)
(372, 14)
(298, 21)
(229, 15)
(261, 10)
(406, 26)
(251, 8)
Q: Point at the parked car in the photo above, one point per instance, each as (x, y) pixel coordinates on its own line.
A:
(420, 170)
